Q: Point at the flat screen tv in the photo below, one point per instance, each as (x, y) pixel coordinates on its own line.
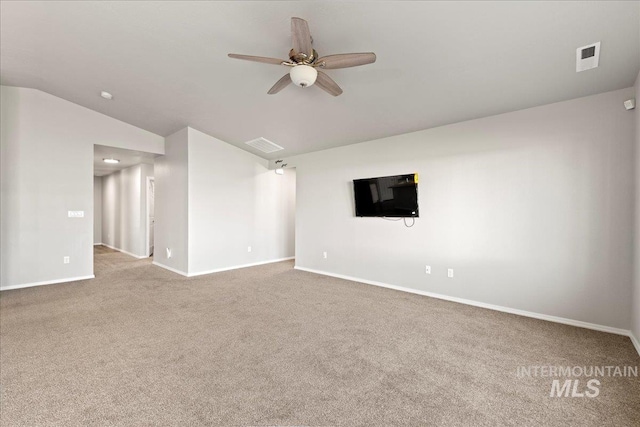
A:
(387, 196)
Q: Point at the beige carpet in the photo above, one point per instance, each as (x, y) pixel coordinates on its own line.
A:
(270, 345)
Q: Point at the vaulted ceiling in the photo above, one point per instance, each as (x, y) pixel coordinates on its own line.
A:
(166, 63)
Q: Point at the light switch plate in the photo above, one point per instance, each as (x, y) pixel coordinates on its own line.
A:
(76, 214)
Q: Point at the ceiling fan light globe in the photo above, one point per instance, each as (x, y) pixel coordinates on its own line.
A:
(303, 75)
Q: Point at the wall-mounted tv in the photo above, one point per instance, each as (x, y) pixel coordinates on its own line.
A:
(392, 196)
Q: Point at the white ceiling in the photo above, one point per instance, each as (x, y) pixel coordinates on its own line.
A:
(127, 159)
(166, 62)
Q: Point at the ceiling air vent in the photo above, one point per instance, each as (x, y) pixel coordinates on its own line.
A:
(264, 145)
(587, 57)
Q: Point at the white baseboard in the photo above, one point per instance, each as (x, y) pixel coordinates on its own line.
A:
(123, 251)
(218, 270)
(635, 341)
(166, 267)
(235, 267)
(524, 313)
(46, 282)
(99, 244)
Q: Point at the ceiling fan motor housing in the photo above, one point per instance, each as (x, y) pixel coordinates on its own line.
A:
(303, 75)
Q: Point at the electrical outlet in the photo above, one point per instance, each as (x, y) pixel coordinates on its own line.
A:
(324, 255)
(168, 253)
(66, 260)
(450, 272)
(249, 249)
(427, 269)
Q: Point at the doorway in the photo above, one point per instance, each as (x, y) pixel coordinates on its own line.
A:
(123, 198)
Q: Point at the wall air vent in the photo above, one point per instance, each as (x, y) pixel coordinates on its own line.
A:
(587, 57)
(264, 145)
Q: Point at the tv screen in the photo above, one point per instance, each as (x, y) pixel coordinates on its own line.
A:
(392, 196)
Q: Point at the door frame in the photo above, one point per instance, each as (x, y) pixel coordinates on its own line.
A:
(148, 233)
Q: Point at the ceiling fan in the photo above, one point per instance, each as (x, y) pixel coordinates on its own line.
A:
(305, 63)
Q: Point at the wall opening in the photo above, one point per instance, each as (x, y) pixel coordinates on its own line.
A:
(124, 187)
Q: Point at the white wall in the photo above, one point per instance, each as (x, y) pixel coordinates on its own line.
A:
(124, 209)
(171, 203)
(532, 209)
(635, 326)
(47, 170)
(235, 201)
(214, 200)
(97, 209)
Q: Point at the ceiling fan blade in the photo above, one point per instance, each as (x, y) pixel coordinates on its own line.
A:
(346, 60)
(301, 37)
(262, 59)
(327, 84)
(280, 84)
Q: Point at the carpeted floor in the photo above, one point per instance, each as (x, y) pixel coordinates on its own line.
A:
(270, 345)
